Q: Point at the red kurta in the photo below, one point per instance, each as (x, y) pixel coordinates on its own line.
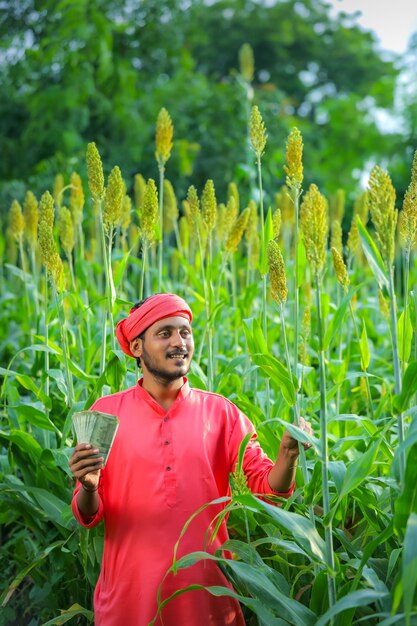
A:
(162, 467)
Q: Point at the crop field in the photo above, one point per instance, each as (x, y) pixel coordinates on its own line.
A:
(299, 310)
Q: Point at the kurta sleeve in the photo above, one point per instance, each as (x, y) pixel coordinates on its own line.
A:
(94, 519)
(256, 464)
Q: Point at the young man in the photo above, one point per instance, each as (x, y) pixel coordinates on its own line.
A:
(174, 451)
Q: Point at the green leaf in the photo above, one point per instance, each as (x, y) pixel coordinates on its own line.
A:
(52, 505)
(408, 388)
(364, 349)
(404, 339)
(372, 254)
(335, 324)
(406, 503)
(362, 597)
(35, 416)
(66, 615)
(409, 565)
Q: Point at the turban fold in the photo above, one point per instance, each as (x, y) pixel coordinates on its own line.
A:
(152, 310)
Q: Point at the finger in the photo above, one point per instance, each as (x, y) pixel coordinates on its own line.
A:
(84, 454)
(85, 464)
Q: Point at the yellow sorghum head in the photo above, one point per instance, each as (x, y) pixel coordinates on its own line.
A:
(139, 191)
(31, 215)
(246, 62)
(276, 223)
(58, 190)
(209, 206)
(66, 230)
(336, 238)
(114, 199)
(383, 305)
(233, 192)
(50, 257)
(340, 269)
(408, 221)
(337, 205)
(163, 137)
(11, 247)
(77, 198)
(95, 172)
(16, 220)
(184, 233)
(252, 225)
(170, 207)
(257, 131)
(150, 212)
(236, 232)
(126, 216)
(194, 207)
(231, 214)
(222, 224)
(353, 241)
(277, 275)
(383, 212)
(46, 209)
(294, 157)
(313, 220)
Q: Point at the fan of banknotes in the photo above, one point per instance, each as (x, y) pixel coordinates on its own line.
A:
(98, 429)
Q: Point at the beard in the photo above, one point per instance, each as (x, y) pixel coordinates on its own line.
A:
(163, 375)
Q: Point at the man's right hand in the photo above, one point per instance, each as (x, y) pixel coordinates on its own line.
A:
(85, 466)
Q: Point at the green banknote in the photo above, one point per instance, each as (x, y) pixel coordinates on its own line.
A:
(98, 429)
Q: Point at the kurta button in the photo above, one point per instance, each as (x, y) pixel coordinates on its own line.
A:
(165, 419)
(168, 467)
(166, 443)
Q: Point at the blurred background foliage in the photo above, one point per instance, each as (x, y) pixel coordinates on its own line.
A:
(76, 71)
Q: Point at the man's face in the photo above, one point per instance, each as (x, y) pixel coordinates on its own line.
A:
(166, 350)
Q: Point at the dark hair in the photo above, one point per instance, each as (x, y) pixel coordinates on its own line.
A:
(142, 335)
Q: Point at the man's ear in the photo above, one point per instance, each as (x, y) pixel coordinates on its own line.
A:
(136, 347)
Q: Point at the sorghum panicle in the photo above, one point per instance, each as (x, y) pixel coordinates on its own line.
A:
(31, 215)
(170, 207)
(16, 220)
(58, 190)
(294, 158)
(314, 224)
(114, 199)
(408, 216)
(246, 62)
(139, 191)
(126, 216)
(257, 131)
(95, 172)
(163, 137)
(383, 212)
(150, 212)
(66, 230)
(277, 275)
(336, 238)
(194, 207)
(233, 192)
(337, 205)
(340, 269)
(46, 209)
(209, 206)
(236, 232)
(77, 198)
(276, 223)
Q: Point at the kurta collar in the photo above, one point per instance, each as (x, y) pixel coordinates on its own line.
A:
(144, 395)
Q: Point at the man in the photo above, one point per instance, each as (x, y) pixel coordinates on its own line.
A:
(174, 451)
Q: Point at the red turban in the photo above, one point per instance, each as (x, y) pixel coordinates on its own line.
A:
(152, 310)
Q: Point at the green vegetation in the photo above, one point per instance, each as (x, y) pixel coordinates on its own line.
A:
(238, 216)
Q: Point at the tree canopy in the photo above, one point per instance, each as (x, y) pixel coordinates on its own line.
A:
(89, 70)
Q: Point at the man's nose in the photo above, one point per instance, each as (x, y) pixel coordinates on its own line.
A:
(178, 339)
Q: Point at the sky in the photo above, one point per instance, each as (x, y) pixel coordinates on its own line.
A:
(392, 20)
